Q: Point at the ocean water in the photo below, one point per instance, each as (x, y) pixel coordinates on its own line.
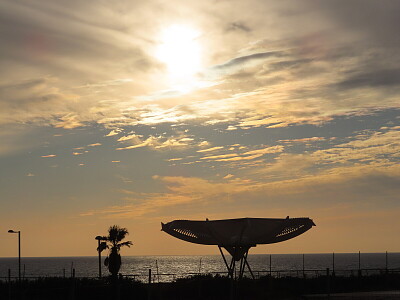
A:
(165, 268)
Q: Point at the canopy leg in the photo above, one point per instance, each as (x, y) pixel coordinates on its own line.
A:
(241, 269)
(232, 266)
(248, 266)
(232, 270)
(223, 256)
(243, 262)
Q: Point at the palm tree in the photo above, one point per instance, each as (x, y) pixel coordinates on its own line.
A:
(113, 242)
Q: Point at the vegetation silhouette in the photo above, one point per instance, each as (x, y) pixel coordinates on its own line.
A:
(113, 242)
(205, 287)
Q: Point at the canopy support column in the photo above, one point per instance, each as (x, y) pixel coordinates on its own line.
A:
(223, 256)
(243, 261)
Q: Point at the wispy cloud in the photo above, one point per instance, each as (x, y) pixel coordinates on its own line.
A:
(114, 132)
(49, 156)
(304, 140)
(337, 187)
(248, 155)
(155, 142)
(210, 149)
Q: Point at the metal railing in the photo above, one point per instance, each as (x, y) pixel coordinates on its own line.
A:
(154, 277)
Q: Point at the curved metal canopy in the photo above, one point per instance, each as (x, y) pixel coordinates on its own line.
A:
(237, 236)
(238, 232)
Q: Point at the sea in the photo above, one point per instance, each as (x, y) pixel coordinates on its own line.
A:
(167, 268)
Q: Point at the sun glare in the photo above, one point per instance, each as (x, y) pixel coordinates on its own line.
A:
(180, 51)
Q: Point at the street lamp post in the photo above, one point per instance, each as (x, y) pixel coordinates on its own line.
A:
(99, 239)
(19, 252)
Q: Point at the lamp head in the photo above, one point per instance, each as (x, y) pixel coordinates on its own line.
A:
(11, 231)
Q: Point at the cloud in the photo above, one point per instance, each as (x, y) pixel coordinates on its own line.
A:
(376, 148)
(175, 159)
(175, 142)
(114, 132)
(81, 46)
(304, 140)
(147, 142)
(239, 26)
(273, 149)
(114, 82)
(372, 79)
(180, 191)
(248, 155)
(204, 144)
(133, 137)
(69, 121)
(49, 156)
(240, 61)
(299, 75)
(362, 186)
(219, 156)
(379, 29)
(34, 101)
(156, 142)
(210, 149)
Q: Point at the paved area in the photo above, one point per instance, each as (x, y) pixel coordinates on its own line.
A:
(378, 295)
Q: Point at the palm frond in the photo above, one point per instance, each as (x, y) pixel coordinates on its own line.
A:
(113, 242)
(128, 243)
(115, 235)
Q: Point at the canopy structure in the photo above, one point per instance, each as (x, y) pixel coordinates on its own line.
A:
(237, 236)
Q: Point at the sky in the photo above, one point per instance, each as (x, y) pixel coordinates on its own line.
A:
(140, 112)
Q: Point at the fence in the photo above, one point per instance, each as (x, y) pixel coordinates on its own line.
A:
(154, 277)
(149, 275)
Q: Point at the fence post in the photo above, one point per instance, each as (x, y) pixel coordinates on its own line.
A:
(270, 265)
(386, 262)
(72, 288)
(333, 264)
(304, 274)
(9, 284)
(149, 287)
(328, 284)
(359, 263)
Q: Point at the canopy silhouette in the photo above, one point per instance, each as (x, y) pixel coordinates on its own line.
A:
(237, 236)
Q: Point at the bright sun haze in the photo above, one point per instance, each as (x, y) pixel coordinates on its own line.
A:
(179, 50)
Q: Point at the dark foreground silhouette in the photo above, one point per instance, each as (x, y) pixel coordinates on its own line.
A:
(197, 287)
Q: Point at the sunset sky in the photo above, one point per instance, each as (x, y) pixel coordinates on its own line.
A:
(140, 112)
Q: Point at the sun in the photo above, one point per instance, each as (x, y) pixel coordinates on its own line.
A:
(180, 51)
